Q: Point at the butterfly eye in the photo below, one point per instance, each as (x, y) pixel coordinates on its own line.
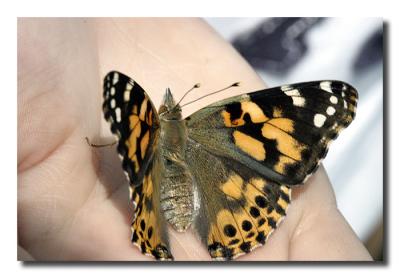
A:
(162, 110)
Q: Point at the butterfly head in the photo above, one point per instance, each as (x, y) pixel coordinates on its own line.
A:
(169, 110)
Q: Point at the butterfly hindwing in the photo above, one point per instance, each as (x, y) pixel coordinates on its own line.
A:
(135, 122)
(149, 230)
(239, 208)
(281, 133)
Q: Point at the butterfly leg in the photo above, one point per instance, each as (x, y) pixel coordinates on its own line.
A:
(99, 145)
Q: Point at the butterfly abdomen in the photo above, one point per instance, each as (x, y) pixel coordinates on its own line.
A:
(177, 194)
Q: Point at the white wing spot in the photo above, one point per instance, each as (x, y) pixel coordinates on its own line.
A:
(118, 114)
(293, 92)
(112, 103)
(115, 79)
(333, 99)
(299, 101)
(296, 96)
(345, 104)
(127, 92)
(286, 88)
(319, 120)
(326, 86)
(113, 91)
(343, 94)
(330, 110)
(127, 95)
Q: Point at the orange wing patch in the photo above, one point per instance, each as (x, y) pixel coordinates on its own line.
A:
(249, 145)
(138, 141)
(232, 186)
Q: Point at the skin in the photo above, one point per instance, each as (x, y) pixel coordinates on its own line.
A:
(73, 199)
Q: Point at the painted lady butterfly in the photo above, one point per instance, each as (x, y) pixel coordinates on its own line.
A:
(228, 169)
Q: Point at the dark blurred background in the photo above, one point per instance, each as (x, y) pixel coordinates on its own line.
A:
(289, 50)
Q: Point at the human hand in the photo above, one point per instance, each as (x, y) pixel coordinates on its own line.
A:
(73, 199)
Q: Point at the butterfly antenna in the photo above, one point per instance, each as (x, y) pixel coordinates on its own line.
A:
(194, 87)
(236, 84)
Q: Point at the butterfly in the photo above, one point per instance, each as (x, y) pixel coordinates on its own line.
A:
(228, 169)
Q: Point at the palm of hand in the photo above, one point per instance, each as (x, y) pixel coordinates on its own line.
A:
(73, 200)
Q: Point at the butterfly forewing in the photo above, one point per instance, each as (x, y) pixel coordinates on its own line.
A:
(135, 122)
(282, 133)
